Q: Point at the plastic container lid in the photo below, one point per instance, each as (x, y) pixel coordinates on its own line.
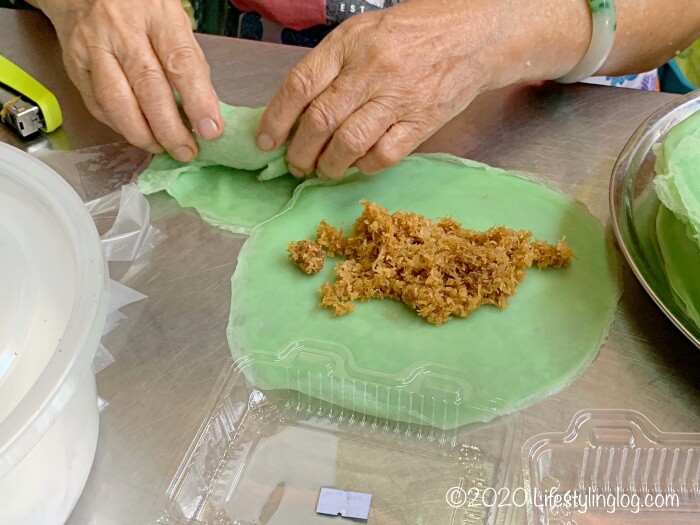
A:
(53, 299)
(262, 457)
(613, 467)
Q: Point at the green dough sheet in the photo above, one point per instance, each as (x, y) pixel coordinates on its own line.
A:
(686, 128)
(645, 213)
(678, 173)
(222, 183)
(385, 361)
(677, 185)
(681, 258)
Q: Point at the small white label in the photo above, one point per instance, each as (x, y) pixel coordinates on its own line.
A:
(334, 502)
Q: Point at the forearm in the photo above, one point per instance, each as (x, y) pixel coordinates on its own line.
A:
(541, 39)
(651, 32)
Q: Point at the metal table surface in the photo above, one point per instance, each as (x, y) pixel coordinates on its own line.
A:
(172, 347)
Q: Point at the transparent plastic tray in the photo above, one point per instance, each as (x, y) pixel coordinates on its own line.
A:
(424, 394)
(613, 467)
(262, 457)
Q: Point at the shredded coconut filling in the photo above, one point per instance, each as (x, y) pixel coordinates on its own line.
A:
(440, 270)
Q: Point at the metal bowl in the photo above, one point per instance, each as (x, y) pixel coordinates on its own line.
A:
(634, 204)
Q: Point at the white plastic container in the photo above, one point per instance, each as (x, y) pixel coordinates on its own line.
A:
(53, 304)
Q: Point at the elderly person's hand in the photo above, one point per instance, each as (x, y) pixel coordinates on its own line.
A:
(125, 57)
(383, 82)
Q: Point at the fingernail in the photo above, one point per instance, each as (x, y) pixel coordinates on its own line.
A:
(208, 128)
(265, 142)
(155, 150)
(183, 154)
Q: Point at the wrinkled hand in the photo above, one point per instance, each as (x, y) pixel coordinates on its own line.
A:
(125, 57)
(376, 87)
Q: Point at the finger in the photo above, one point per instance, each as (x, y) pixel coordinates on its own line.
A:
(320, 121)
(156, 99)
(303, 83)
(96, 111)
(81, 78)
(400, 140)
(355, 137)
(115, 98)
(187, 69)
(83, 81)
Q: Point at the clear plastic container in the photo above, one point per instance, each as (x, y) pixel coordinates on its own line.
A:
(613, 467)
(427, 394)
(262, 457)
(53, 305)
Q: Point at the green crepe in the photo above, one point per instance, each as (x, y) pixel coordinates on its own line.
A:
(382, 359)
(678, 173)
(681, 258)
(677, 185)
(688, 127)
(222, 183)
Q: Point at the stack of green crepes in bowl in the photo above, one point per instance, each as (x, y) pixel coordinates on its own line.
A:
(677, 184)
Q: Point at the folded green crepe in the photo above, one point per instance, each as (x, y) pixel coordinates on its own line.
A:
(385, 361)
(677, 185)
(681, 258)
(678, 173)
(222, 183)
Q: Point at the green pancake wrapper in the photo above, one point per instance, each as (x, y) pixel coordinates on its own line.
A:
(681, 259)
(222, 183)
(677, 185)
(678, 174)
(385, 361)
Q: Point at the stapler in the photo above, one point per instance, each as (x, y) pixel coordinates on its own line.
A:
(25, 104)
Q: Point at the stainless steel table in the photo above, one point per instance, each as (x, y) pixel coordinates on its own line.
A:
(172, 347)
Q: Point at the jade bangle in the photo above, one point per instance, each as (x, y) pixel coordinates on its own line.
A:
(602, 38)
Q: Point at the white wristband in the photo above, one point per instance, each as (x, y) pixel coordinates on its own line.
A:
(604, 21)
